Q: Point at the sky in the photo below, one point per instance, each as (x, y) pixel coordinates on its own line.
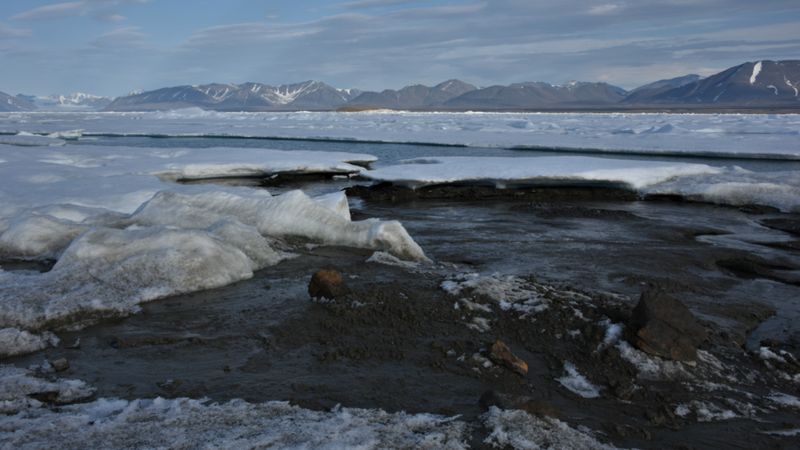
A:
(112, 47)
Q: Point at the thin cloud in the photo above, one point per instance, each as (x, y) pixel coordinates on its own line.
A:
(130, 37)
(368, 4)
(10, 33)
(54, 11)
(76, 8)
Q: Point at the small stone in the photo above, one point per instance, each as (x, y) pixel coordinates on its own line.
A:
(502, 355)
(327, 283)
(60, 364)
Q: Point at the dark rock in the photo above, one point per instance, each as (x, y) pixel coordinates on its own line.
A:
(493, 398)
(45, 396)
(530, 405)
(663, 326)
(539, 408)
(327, 283)
(502, 355)
(60, 364)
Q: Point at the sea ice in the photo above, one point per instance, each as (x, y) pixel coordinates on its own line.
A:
(720, 135)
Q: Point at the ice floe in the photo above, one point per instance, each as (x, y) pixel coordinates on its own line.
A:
(25, 139)
(507, 171)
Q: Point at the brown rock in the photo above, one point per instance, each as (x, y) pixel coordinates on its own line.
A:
(326, 283)
(502, 355)
(663, 326)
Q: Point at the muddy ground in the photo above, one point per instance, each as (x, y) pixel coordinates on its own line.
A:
(398, 341)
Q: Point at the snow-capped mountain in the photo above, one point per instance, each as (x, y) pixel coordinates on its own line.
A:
(754, 84)
(75, 101)
(11, 103)
(313, 95)
(757, 83)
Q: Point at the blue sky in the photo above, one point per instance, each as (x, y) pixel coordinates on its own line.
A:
(111, 47)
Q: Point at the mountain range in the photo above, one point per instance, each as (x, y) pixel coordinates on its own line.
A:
(760, 84)
(313, 95)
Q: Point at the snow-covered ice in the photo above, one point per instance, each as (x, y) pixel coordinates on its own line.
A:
(732, 135)
(507, 171)
(122, 178)
(25, 139)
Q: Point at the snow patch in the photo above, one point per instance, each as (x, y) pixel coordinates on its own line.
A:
(520, 430)
(391, 260)
(577, 383)
(756, 71)
(18, 342)
(509, 292)
(705, 411)
(17, 391)
(784, 399)
(187, 423)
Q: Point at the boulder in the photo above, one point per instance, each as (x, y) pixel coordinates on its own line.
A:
(327, 283)
(663, 326)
